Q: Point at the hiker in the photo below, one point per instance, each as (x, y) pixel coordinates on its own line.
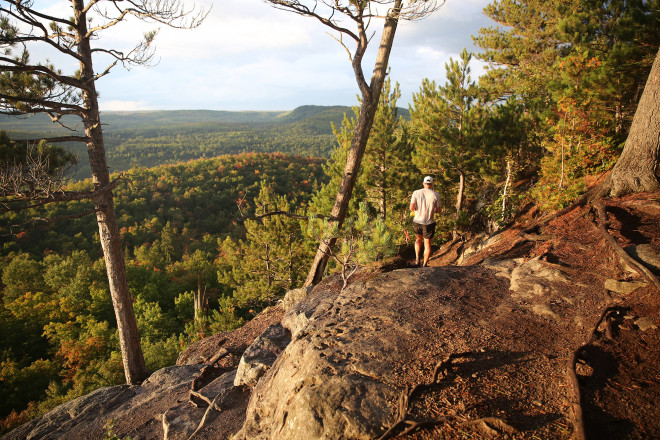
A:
(424, 203)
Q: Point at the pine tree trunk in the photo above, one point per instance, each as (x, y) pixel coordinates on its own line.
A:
(636, 169)
(338, 214)
(505, 194)
(459, 202)
(370, 100)
(129, 340)
(383, 202)
(200, 301)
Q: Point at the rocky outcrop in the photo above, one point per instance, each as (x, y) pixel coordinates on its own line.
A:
(259, 356)
(343, 373)
(90, 416)
(479, 351)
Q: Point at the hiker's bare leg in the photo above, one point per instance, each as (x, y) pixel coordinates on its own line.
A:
(427, 251)
(418, 247)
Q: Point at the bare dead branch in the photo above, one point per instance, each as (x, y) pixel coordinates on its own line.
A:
(273, 213)
(302, 9)
(29, 12)
(32, 223)
(24, 14)
(18, 203)
(172, 13)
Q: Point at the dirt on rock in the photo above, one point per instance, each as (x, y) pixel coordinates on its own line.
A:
(618, 370)
(610, 348)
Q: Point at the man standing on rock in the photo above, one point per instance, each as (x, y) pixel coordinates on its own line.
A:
(424, 203)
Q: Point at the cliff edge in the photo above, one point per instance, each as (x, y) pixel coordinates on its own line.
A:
(547, 330)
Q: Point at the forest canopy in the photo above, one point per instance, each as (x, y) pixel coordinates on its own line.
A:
(152, 138)
(203, 254)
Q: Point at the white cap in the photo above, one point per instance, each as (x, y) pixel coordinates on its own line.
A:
(428, 179)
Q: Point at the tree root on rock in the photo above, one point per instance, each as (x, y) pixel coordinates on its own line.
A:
(602, 227)
(212, 406)
(195, 397)
(200, 400)
(440, 372)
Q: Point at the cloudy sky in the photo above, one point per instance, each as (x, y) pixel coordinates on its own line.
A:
(249, 56)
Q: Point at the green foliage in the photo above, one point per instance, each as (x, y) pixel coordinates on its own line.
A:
(27, 83)
(150, 139)
(448, 122)
(21, 384)
(272, 257)
(163, 211)
(360, 241)
(17, 153)
(581, 143)
(323, 199)
(153, 323)
(389, 173)
(184, 306)
(22, 274)
(577, 67)
(224, 318)
(161, 353)
(56, 318)
(508, 139)
(387, 176)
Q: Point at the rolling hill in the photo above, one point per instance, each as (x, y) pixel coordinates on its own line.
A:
(152, 138)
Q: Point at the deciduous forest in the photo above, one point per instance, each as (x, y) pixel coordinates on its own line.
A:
(218, 219)
(148, 139)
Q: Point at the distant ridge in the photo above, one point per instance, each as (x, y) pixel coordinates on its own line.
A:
(157, 137)
(41, 125)
(313, 111)
(128, 118)
(317, 116)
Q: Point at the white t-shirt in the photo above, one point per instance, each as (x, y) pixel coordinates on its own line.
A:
(426, 201)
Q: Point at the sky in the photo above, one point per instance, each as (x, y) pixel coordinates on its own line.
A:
(248, 55)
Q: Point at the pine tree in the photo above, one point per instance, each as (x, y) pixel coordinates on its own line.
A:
(388, 168)
(272, 257)
(509, 149)
(322, 200)
(579, 68)
(38, 87)
(448, 123)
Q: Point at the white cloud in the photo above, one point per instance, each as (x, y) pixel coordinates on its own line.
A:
(248, 55)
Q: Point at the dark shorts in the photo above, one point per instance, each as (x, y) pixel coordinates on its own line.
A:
(426, 231)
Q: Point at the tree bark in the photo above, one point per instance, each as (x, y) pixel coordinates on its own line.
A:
(383, 200)
(129, 340)
(200, 301)
(506, 188)
(338, 214)
(636, 169)
(459, 201)
(370, 99)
